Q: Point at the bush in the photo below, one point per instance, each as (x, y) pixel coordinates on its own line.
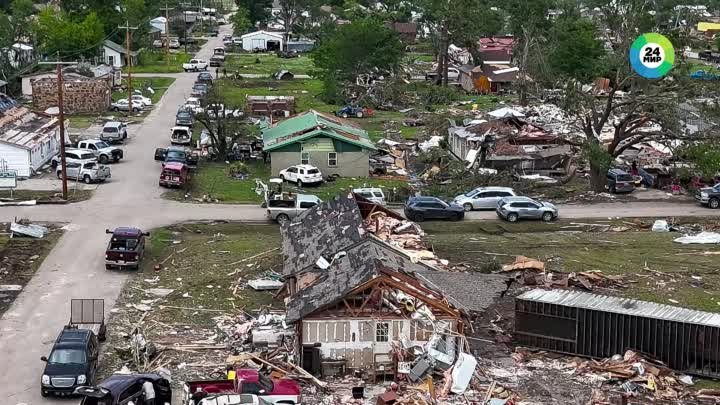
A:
(237, 168)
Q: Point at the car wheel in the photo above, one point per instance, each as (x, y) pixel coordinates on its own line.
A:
(299, 183)
(59, 174)
(468, 207)
(116, 159)
(44, 393)
(135, 109)
(282, 177)
(344, 115)
(283, 219)
(613, 190)
(512, 217)
(54, 164)
(116, 109)
(359, 114)
(87, 179)
(104, 159)
(186, 70)
(547, 217)
(418, 218)
(108, 267)
(714, 203)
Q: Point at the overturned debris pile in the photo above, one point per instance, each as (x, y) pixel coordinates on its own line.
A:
(532, 272)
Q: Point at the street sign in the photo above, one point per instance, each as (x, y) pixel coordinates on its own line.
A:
(8, 179)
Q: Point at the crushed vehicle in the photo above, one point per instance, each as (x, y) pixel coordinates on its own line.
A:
(74, 155)
(125, 389)
(352, 111)
(709, 196)
(174, 174)
(483, 197)
(181, 135)
(195, 65)
(179, 154)
(125, 248)
(114, 131)
(74, 356)
(513, 209)
(277, 391)
(104, 151)
(301, 174)
(421, 208)
(88, 172)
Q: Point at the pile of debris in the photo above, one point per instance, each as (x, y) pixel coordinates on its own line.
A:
(532, 272)
(631, 374)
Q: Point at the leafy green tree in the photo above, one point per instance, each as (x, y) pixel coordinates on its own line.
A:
(575, 52)
(317, 24)
(704, 155)
(258, 10)
(58, 33)
(361, 47)
(241, 21)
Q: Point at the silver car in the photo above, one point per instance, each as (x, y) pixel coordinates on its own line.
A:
(512, 209)
(483, 197)
(87, 172)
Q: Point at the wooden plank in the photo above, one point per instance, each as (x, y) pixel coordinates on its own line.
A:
(306, 332)
(322, 331)
(313, 332)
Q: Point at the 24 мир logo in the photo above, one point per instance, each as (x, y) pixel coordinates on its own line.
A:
(652, 55)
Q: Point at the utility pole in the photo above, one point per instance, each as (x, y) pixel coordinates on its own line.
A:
(184, 11)
(61, 118)
(167, 36)
(128, 60)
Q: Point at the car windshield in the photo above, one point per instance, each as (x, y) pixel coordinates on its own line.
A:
(87, 156)
(183, 115)
(101, 145)
(67, 356)
(313, 171)
(265, 383)
(624, 177)
(175, 155)
(470, 193)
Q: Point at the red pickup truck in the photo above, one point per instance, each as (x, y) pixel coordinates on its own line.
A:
(247, 381)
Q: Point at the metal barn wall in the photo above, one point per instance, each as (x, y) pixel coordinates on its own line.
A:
(691, 348)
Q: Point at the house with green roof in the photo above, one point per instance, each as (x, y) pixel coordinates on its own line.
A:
(333, 145)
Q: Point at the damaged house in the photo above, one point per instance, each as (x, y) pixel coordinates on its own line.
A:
(363, 290)
(510, 144)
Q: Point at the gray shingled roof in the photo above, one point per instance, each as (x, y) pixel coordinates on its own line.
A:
(324, 229)
(469, 291)
(362, 262)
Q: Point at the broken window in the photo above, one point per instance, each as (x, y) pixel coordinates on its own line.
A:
(382, 332)
(332, 159)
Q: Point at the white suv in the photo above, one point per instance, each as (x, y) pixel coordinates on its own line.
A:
(73, 155)
(302, 174)
(483, 197)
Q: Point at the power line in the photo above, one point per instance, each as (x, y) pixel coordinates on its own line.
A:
(128, 62)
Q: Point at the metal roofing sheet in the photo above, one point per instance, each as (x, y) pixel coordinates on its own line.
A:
(618, 305)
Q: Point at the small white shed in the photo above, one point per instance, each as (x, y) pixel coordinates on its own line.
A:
(264, 40)
(114, 54)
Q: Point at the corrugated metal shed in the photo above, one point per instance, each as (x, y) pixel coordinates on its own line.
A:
(624, 306)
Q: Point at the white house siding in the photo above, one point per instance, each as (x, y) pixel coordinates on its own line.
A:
(28, 81)
(43, 152)
(355, 340)
(117, 58)
(17, 159)
(259, 40)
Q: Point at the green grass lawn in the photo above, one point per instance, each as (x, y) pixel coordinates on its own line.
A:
(305, 92)
(211, 179)
(81, 121)
(268, 64)
(154, 61)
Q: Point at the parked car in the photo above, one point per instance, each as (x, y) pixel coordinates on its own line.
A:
(284, 207)
(73, 358)
(217, 60)
(193, 105)
(195, 65)
(351, 111)
(181, 135)
(157, 43)
(125, 389)
(145, 101)
(122, 105)
(237, 41)
(114, 131)
(179, 154)
(301, 174)
(74, 155)
(221, 21)
(277, 391)
(102, 150)
(184, 118)
(619, 181)
(513, 209)
(709, 196)
(174, 175)
(483, 197)
(174, 44)
(90, 172)
(125, 249)
(419, 209)
(205, 77)
(199, 90)
(372, 194)
(453, 75)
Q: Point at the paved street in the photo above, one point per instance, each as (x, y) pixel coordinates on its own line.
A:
(75, 268)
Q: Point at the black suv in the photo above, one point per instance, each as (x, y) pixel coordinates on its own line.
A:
(72, 362)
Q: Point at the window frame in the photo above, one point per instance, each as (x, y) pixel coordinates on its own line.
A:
(331, 159)
(304, 158)
(379, 332)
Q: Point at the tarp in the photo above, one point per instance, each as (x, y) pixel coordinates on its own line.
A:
(701, 238)
(506, 112)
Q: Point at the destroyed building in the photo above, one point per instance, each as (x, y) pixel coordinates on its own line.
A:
(363, 289)
(597, 326)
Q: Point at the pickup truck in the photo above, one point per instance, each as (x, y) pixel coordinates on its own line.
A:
(88, 172)
(125, 248)
(195, 65)
(104, 151)
(284, 207)
(247, 381)
(73, 360)
(177, 154)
